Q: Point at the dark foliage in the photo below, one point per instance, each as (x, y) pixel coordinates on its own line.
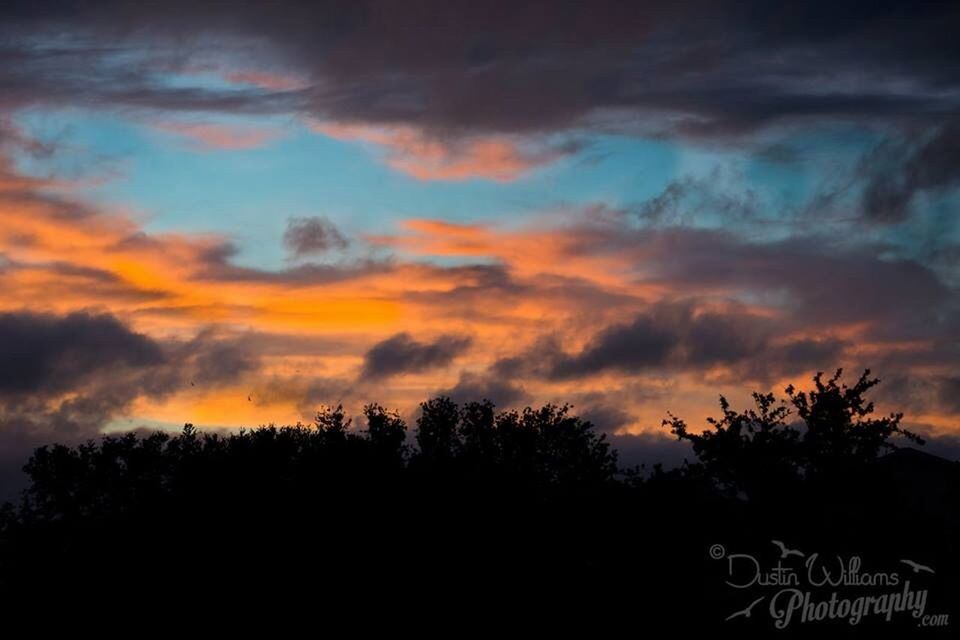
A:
(480, 515)
(758, 454)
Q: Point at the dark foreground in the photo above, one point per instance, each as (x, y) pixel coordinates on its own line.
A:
(506, 519)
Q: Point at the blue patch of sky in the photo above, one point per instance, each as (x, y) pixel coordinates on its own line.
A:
(249, 194)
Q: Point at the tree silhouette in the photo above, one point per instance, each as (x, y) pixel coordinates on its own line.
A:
(758, 454)
(485, 512)
(839, 426)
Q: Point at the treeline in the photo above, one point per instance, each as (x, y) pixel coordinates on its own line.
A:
(473, 511)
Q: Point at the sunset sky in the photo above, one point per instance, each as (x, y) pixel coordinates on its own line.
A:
(232, 213)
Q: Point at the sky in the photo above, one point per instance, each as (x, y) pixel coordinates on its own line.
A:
(230, 214)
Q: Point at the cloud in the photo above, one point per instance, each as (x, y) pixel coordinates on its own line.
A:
(474, 387)
(793, 357)
(45, 354)
(67, 376)
(670, 335)
(898, 170)
(206, 136)
(305, 236)
(819, 280)
(83, 359)
(500, 68)
(688, 200)
(578, 300)
(679, 337)
(216, 263)
(273, 81)
(402, 354)
(649, 449)
(642, 344)
(949, 393)
(606, 418)
(426, 157)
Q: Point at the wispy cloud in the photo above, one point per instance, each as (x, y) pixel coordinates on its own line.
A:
(205, 136)
(425, 157)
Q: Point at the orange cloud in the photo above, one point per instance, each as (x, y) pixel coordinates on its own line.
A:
(206, 135)
(423, 157)
(266, 80)
(506, 286)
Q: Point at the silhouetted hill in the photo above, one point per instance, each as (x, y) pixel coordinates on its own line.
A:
(923, 482)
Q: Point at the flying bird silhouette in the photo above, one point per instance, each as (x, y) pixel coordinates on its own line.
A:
(917, 568)
(744, 612)
(784, 552)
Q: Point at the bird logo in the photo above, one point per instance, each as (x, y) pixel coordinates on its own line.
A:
(744, 612)
(917, 567)
(784, 552)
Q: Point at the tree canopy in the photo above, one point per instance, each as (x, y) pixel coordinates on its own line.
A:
(476, 506)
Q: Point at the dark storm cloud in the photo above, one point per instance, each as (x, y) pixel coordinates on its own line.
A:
(642, 344)
(669, 335)
(474, 387)
(949, 393)
(707, 67)
(402, 354)
(49, 354)
(306, 236)
(65, 377)
(916, 393)
(606, 418)
(473, 286)
(128, 74)
(897, 171)
(792, 358)
(672, 336)
(215, 361)
(821, 281)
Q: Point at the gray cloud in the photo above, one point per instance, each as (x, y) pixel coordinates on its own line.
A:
(898, 170)
(792, 358)
(949, 393)
(473, 387)
(402, 354)
(219, 264)
(48, 354)
(450, 66)
(649, 449)
(306, 236)
(669, 335)
(816, 279)
(672, 336)
(605, 417)
(685, 200)
(65, 377)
